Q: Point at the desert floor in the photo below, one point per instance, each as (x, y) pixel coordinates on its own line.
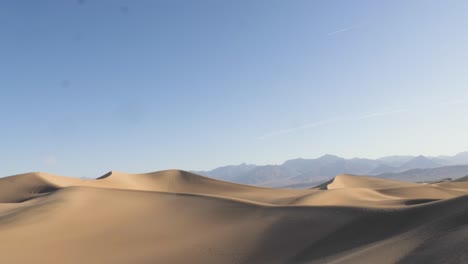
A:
(179, 217)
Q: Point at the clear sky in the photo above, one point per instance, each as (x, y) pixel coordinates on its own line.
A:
(96, 85)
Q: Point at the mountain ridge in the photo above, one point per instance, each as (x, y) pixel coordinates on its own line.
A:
(301, 170)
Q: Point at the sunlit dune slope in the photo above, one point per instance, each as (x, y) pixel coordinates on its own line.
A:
(179, 217)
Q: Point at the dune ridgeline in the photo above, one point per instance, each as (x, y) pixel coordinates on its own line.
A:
(180, 217)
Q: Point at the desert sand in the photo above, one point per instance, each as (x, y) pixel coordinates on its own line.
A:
(179, 217)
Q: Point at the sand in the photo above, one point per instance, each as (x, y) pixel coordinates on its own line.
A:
(179, 217)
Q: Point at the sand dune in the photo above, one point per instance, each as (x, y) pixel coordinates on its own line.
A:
(179, 217)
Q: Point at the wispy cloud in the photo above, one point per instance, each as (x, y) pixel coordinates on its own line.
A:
(297, 128)
(342, 30)
(331, 121)
(377, 114)
(383, 113)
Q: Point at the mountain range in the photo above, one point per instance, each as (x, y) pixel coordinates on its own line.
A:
(307, 172)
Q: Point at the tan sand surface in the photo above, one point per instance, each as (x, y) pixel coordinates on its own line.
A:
(179, 217)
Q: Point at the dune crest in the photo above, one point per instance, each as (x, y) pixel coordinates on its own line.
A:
(353, 181)
(176, 216)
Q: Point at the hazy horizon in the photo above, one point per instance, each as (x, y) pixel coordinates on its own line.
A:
(91, 86)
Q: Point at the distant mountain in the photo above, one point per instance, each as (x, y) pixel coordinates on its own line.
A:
(419, 162)
(462, 179)
(228, 173)
(298, 172)
(460, 158)
(305, 165)
(425, 175)
(268, 175)
(395, 161)
(382, 169)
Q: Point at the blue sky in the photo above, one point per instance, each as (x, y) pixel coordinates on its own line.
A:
(96, 85)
